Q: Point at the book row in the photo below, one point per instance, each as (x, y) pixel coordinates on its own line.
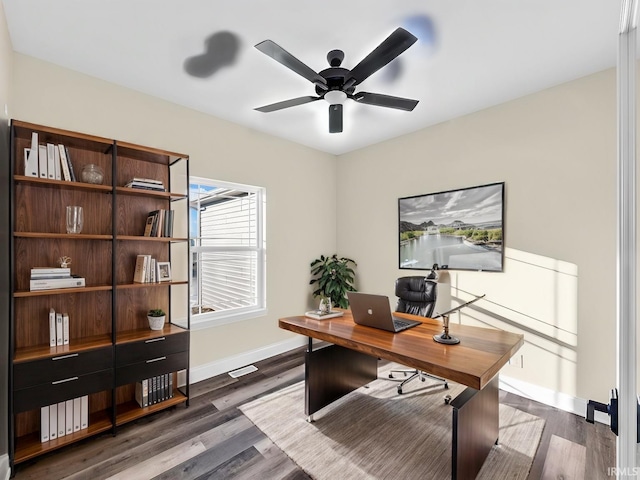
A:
(149, 270)
(64, 418)
(154, 390)
(51, 161)
(159, 224)
(58, 328)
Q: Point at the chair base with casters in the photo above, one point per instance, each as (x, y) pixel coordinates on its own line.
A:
(415, 374)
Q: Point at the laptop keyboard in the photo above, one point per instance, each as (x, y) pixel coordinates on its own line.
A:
(400, 323)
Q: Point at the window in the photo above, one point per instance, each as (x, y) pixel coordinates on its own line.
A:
(228, 252)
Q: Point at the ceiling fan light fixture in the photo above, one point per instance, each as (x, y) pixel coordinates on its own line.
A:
(335, 97)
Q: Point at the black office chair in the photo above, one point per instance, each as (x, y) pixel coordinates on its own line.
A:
(417, 296)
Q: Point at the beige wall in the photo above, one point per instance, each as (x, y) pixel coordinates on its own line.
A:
(556, 151)
(55, 96)
(6, 66)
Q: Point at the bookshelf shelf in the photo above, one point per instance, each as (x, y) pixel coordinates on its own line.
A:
(62, 291)
(36, 352)
(41, 182)
(29, 446)
(66, 236)
(131, 411)
(140, 238)
(111, 347)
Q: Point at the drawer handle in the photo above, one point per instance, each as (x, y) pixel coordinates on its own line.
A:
(155, 340)
(65, 356)
(156, 359)
(64, 381)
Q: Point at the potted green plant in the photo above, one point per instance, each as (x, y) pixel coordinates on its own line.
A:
(156, 318)
(334, 278)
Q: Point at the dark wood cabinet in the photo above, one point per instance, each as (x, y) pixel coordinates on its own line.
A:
(111, 346)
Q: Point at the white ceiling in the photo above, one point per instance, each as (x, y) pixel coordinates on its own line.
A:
(470, 54)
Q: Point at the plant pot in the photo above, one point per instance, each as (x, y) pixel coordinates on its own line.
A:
(156, 323)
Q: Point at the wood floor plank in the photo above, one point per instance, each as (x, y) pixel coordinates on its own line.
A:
(208, 461)
(161, 462)
(565, 460)
(242, 395)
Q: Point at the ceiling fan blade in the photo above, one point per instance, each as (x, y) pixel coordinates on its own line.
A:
(381, 100)
(394, 45)
(286, 104)
(280, 55)
(335, 118)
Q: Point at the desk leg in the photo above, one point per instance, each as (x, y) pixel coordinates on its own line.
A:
(333, 371)
(475, 429)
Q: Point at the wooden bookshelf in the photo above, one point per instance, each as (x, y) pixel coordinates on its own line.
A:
(108, 315)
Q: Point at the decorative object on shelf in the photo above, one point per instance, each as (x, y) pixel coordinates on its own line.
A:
(64, 261)
(335, 278)
(164, 271)
(156, 318)
(92, 173)
(325, 305)
(75, 219)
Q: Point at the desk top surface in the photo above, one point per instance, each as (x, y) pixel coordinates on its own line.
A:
(479, 356)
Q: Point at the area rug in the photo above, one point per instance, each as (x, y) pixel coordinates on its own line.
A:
(374, 433)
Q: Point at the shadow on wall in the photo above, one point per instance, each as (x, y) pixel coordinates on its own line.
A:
(536, 296)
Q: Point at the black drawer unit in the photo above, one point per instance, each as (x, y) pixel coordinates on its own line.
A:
(64, 388)
(151, 367)
(137, 352)
(29, 374)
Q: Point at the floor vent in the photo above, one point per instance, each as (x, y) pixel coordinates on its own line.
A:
(243, 371)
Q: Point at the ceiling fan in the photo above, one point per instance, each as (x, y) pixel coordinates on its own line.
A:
(335, 84)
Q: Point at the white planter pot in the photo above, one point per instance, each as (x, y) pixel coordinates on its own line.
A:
(156, 323)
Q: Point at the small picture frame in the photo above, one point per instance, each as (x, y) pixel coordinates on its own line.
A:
(163, 273)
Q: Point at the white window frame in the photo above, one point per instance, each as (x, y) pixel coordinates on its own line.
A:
(224, 317)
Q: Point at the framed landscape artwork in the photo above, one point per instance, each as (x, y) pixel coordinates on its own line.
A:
(458, 229)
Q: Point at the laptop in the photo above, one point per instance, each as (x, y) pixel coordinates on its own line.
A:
(374, 311)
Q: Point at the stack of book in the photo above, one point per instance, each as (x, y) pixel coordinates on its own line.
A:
(154, 390)
(146, 184)
(45, 278)
(159, 224)
(64, 418)
(49, 160)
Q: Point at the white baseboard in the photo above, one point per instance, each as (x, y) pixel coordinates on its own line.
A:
(561, 401)
(5, 471)
(208, 370)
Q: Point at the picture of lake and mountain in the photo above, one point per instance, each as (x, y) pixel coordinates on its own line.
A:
(458, 229)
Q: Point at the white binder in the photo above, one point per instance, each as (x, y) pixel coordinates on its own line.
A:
(76, 414)
(53, 421)
(43, 163)
(65, 329)
(31, 161)
(68, 416)
(52, 328)
(62, 422)
(44, 424)
(84, 412)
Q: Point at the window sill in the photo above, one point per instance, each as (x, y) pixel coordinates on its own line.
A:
(216, 319)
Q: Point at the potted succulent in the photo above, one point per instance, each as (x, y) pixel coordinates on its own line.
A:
(156, 318)
(334, 278)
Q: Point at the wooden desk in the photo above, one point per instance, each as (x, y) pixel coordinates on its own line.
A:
(351, 362)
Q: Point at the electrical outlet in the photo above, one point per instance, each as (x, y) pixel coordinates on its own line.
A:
(517, 361)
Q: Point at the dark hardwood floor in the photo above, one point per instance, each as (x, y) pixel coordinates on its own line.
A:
(212, 439)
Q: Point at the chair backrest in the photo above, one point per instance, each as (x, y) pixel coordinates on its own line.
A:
(416, 295)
